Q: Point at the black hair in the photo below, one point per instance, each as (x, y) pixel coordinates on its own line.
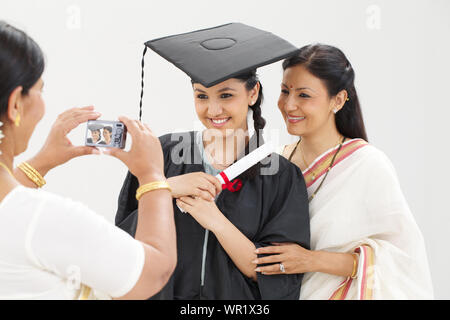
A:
(330, 64)
(251, 80)
(21, 63)
(109, 128)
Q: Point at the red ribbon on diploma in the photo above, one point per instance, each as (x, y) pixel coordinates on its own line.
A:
(233, 186)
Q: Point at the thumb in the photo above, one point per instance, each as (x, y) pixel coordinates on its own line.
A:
(83, 151)
(116, 153)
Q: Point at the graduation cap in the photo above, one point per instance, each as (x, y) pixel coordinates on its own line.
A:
(213, 55)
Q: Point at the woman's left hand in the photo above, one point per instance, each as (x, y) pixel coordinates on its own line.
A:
(294, 258)
(204, 212)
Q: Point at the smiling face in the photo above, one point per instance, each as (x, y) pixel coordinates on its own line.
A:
(304, 102)
(95, 135)
(224, 106)
(107, 135)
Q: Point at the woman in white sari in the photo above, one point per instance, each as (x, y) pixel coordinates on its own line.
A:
(365, 243)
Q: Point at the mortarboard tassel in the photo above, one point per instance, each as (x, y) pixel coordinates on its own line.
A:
(142, 82)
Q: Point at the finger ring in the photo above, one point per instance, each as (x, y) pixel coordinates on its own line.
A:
(282, 269)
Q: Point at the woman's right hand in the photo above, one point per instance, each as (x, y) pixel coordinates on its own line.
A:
(145, 159)
(198, 184)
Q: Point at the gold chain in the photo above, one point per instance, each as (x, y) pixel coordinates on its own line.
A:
(6, 168)
(303, 154)
(329, 167)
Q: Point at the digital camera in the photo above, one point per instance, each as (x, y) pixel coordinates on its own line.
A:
(106, 134)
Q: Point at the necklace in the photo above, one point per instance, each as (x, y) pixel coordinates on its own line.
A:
(6, 168)
(328, 170)
(303, 154)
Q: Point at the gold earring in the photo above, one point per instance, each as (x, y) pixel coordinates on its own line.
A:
(17, 120)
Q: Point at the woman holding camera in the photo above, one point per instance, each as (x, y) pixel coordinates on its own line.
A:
(52, 247)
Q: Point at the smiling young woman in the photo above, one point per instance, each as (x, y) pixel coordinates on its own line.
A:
(218, 234)
(365, 243)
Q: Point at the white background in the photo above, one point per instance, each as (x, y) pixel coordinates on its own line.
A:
(399, 49)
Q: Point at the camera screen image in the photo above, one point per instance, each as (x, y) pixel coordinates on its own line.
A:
(106, 134)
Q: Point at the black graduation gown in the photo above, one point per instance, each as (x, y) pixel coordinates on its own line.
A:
(268, 208)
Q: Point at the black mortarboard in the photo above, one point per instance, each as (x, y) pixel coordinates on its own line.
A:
(213, 55)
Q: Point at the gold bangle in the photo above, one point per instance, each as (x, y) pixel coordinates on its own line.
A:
(152, 186)
(355, 270)
(32, 174)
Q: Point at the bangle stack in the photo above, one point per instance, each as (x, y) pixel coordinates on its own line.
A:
(152, 186)
(32, 174)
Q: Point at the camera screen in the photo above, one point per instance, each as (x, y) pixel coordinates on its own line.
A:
(105, 134)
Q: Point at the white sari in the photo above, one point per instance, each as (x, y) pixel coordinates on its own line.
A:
(360, 207)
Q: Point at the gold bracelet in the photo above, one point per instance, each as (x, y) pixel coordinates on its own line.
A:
(32, 174)
(355, 270)
(150, 187)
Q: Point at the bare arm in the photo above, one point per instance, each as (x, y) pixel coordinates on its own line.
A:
(37, 164)
(300, 260)
(156, 230)
(339, 264)
(238, 247)
(156, 225)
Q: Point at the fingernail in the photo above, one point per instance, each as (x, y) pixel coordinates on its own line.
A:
(258, 269)
(255, 261)
(257, 251)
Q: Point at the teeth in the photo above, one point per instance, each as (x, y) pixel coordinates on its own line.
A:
(296, 118)
(219, 121)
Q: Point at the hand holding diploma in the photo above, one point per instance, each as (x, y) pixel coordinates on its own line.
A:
(197, 184)
(225, 177)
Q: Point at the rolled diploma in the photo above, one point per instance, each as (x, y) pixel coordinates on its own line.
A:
(245, 163)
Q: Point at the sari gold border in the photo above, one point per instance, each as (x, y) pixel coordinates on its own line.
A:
(85, 292)
(367, 282)
(317, 170)
(342, 290)
(366, 285)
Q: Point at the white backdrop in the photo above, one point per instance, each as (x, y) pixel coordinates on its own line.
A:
(399, 50)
